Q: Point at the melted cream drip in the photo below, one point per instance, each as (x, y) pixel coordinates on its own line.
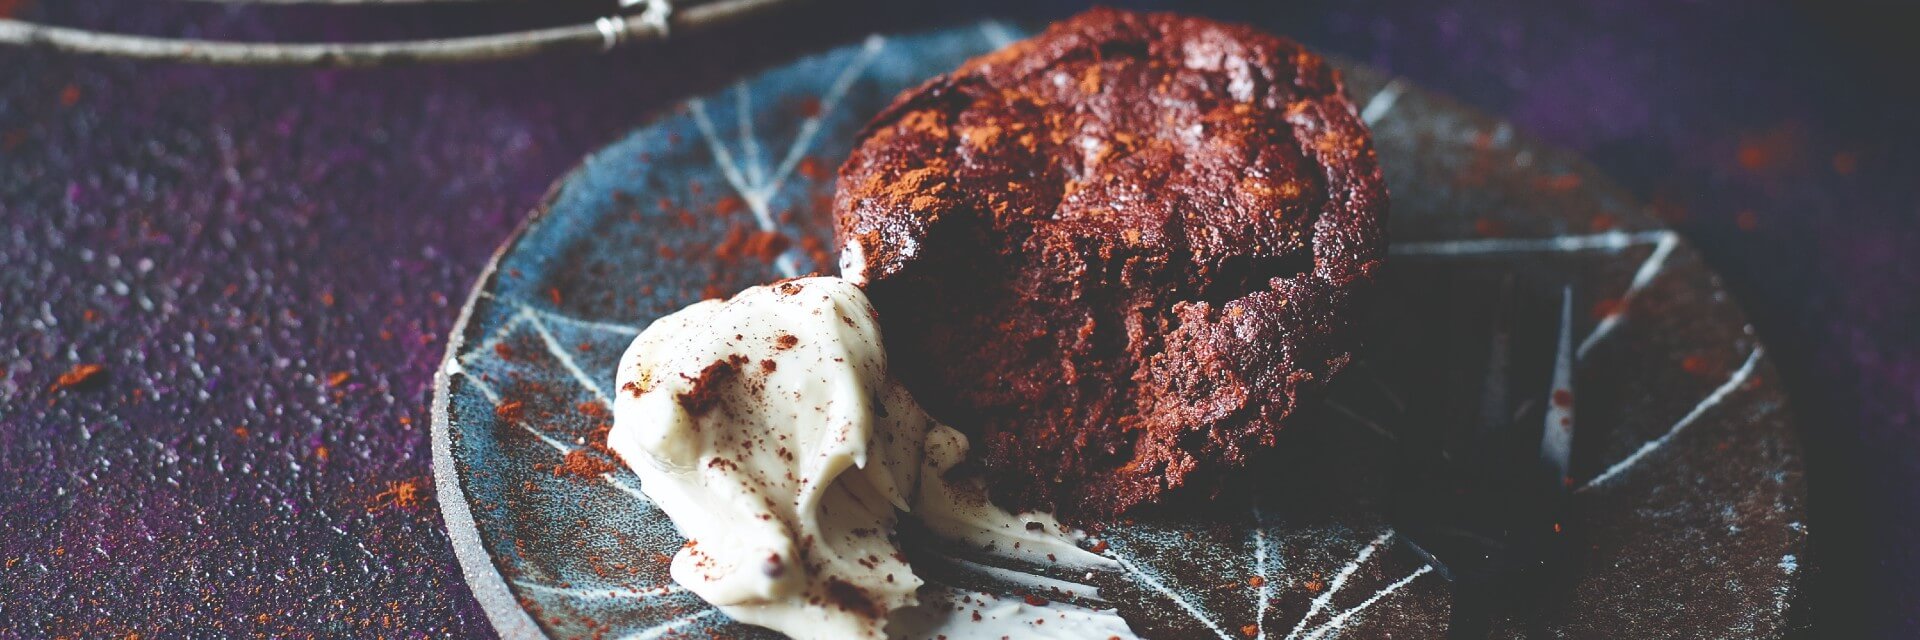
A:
(957, 509)
(767, 428)
(853, 262)
(948, 614)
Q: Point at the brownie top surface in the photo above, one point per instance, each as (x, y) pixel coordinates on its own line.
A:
(1176, 135)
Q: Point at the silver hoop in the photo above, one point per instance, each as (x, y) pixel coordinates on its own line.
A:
(655, 15)
(613, 31)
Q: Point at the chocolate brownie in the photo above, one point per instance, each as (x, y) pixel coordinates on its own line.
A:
(1118, 254)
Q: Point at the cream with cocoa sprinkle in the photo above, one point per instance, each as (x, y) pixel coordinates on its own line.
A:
(767, 427)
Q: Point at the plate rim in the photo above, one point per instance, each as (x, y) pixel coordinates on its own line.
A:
(482, 575)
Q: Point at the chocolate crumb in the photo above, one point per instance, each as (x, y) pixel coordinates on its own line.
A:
(774, 566)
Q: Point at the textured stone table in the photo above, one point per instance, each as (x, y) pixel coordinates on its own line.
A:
(262, 262)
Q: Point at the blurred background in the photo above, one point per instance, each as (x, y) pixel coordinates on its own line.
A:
(266, 262)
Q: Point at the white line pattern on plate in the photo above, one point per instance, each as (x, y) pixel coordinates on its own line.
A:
(1157, 585)
(1038, 584)
(810, 128)
(559, 352)
(1339, 621)
(997, 33)
(1713, 399)
(748, 176)
(1265, 591)
(1339, 580)
(529, 315)
(610, 327)
(1556, 437)
(603, 593)
(1611, 240)
(755, 168)
(661, 630)
(1382, 102)
(1649, 269)
(1364, 421)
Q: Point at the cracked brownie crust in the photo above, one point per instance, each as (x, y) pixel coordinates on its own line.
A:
(1119, 254)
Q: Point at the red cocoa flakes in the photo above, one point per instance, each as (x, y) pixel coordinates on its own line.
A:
(79, 375)
(584, 463)
(1562, 182)
(404, 494)
(1695, 364)
(1608, 307)
(1603, 222)
(811, 168)
(1845, 163)
(742, 242)
(808, 107)
(510, 410)
(816, 250)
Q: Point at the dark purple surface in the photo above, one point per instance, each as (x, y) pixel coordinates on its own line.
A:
(188, 227)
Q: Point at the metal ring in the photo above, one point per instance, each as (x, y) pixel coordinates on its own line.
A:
(654, 15)
(613, 31)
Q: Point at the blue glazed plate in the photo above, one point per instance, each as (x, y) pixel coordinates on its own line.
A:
(1525, 291)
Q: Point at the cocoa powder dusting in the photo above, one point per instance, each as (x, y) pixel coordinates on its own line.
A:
(582, 463)
(743, 242)
(852, 598)
(811, 169)
(592, 460)
(706, 386)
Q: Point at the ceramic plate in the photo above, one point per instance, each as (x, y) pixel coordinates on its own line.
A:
(1526, 295)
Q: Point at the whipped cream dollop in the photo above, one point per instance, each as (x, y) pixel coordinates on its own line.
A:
(767, 427)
